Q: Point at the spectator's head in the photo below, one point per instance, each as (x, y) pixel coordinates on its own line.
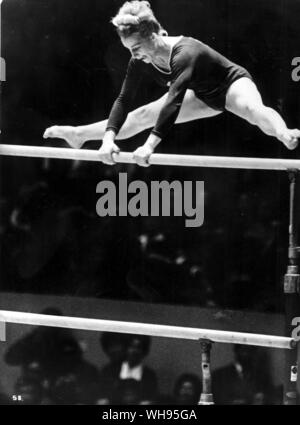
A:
(113, 345)
(127, 392)
(57, 348)
(46, 350)
(137, 348)
(30, 390)
(66, 390)
(34, 369)
(187, 389)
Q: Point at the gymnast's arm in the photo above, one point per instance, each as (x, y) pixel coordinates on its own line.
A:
(120, 111)
(170, 110)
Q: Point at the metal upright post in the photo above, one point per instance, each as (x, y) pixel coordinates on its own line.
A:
(206, 396)
(291, 299)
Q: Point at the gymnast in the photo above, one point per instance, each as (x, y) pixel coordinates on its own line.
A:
(201, 83)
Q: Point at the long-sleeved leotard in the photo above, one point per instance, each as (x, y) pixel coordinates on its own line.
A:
(193, 65)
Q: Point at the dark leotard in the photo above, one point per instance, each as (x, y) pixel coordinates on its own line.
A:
(195, 66)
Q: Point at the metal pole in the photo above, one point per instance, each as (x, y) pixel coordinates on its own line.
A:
(292, 301)
(206, 396)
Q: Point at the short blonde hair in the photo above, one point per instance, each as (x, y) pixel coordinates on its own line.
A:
(137, 17)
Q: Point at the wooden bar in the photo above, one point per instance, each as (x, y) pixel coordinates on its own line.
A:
(155, 159)
(154, 330)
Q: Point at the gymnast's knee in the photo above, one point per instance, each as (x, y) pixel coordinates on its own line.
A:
(253, 112)
(143, 117)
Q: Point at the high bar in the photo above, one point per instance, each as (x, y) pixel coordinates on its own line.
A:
(155, 159)
(153, 330)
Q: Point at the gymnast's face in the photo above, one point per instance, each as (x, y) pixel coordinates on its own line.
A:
(141, 48)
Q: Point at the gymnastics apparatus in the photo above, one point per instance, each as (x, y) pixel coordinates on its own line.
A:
(205, 337)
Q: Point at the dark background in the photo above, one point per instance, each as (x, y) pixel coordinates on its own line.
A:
(65, 65)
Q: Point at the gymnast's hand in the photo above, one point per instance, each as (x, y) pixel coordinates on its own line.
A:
(142, 155)
(68, 133)
(106, 152)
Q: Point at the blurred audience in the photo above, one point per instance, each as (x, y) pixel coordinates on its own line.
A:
(28, 390)
(52, 358)
(128, 365)
(114, 346)
(59, 375)
(46, 234)
(187, 390)
(127, 392)
(246, 381)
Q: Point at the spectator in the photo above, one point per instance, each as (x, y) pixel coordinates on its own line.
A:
(45, 348)
(245, 381)
(28, 391)
(75, 387)
(187, 390)
(137, 347)
(127, 393)
(52, 358)
(113, 345)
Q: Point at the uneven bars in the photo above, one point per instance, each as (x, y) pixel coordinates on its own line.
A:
(155, 159)
(146, 329)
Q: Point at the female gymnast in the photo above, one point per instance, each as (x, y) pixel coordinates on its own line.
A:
(201, 83)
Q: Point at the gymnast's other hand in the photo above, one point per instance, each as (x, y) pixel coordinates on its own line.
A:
(68, 133)
(142, 155)
(106, 152)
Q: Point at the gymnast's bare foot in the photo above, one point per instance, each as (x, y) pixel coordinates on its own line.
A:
(290, 138)
(68, 133)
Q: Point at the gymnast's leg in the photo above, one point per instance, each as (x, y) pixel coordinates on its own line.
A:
(137, 121)
(243, 99)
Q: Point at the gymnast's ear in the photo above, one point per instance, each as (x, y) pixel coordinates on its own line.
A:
(163, 33)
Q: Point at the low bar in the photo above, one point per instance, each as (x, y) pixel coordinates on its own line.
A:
(146, 329)
(155, 159)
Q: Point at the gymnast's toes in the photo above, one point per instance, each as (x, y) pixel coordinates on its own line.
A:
(295, 133)
(294, 139)
(291, 139)
(50, 132)
(292, 144)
